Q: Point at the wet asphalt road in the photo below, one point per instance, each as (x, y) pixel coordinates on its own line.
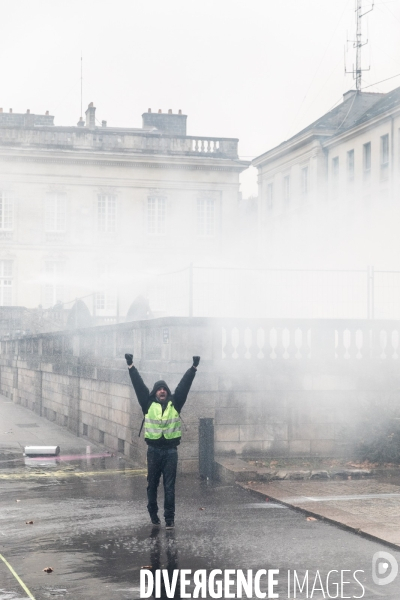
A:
(91, 526)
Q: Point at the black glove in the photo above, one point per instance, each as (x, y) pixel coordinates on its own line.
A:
(129, 359)
(196, 360)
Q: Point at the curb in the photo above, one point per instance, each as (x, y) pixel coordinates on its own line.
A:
(237, 470)
(319, 517)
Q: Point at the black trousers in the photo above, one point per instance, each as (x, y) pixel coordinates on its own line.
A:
(161, 461)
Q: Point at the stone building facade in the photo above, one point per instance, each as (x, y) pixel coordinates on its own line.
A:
(331, 192)
(98, 212)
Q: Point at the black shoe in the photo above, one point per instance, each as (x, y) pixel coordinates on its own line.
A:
(155, 520)
(169, 524)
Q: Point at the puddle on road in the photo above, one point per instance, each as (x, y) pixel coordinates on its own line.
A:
(96, 536)
(75, 576)
(62, 466)
(10, 458)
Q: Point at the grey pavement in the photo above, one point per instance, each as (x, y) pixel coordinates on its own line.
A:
(20, 427)
(370, 508)
(367, 506)
(91, 526)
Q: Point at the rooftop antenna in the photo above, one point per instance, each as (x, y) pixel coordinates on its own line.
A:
(81, 85)
(358, 43)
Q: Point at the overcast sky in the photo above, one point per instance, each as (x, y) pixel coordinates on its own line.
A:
(259, 70)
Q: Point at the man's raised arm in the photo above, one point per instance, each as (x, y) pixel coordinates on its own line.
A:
(184, 385)
(141, 390)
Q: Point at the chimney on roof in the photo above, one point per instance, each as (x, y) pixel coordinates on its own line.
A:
(104, 123)
(28, 111)
(10, 110)
(46, 113)
(167, 123)
(81, 122)
(91, 116)
(349, 94)
(159, 111)
(1, 110)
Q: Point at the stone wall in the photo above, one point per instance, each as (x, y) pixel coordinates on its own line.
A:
(273, 387)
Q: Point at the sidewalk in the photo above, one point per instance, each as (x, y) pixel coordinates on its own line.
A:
(20, 427)
(368, 507)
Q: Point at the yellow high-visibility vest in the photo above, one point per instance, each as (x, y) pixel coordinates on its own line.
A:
(158, 424)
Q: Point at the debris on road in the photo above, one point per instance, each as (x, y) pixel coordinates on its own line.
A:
(28, 522)
(42, 450)
(311, 519)
(48, 569)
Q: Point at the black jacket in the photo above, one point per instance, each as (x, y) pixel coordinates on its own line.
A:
(178, 399)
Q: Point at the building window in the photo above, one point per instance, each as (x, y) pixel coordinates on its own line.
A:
(270, 195)
(156, 208)
(335, 170)
(6, 282)
(205, 217)
(55, 213)
(6, 212)
(106, 213)
(304, 180)
(367, 159)
(54, 290)
(286, 188)
(385, 156)
(350, 165)
(106, 302)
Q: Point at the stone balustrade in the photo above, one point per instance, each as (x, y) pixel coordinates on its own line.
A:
(230, 339)
(114, 140)
(302, 339)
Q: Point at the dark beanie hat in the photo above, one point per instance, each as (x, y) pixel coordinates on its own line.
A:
(157, 386)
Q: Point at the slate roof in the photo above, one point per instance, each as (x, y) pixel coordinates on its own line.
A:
(358, 108)
(346, 115)
(385, 104)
